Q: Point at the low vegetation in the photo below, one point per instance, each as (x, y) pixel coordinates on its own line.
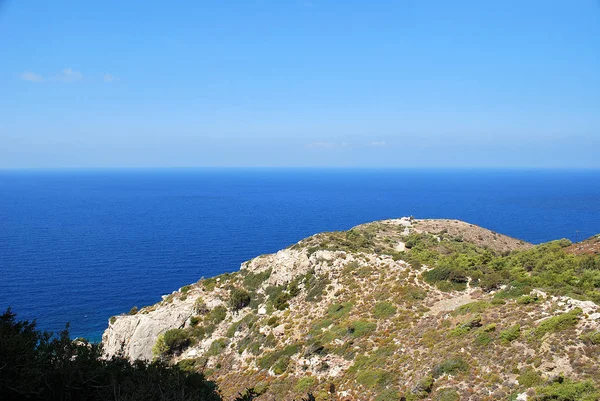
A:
(379, 313)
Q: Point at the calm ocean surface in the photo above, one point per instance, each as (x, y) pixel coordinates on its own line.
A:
(81, 246)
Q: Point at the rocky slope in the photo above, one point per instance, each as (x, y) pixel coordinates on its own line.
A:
(420, 309)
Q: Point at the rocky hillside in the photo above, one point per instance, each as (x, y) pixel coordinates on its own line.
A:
(590, 246)
(419, 309)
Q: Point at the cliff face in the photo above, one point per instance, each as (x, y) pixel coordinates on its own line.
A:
(419, 308)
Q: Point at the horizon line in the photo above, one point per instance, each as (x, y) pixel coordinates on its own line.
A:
(150, 168)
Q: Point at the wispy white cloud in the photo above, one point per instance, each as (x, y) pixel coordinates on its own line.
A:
(69, 75)
(328, 145)
(31, 77)
(378, 143)
(110, 78)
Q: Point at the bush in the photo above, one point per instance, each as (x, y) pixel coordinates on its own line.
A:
(252, 281)
(383, 310)
(373, 377)
(272, 358)
(389, 394)
(447, 394)
(558, 323)
(175, 341)
(473, 307)
(239, 299)
(447, 278)
(217, 315)
(568, 391)
(510, 334)
(526, 300)
(200, 307)
(216, 347)
(482, 339)
(337, 311)
(315, 287)
(280, 302)
(591, 337)
(305, 384)
(38, 366)
(424, 386)
(530, 378)
(451, 367)
(361, 328)
(133, 311)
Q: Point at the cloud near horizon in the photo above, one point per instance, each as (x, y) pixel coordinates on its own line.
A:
(69, 75)
(31, 77)
(109, 78)
(327, 145)
(66, 75)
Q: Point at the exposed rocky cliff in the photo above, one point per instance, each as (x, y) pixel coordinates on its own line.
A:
(413, 308)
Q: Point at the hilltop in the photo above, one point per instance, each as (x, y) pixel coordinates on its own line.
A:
(420, 309)
(590, 246)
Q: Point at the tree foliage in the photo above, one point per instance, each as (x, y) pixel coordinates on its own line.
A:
(36, 365)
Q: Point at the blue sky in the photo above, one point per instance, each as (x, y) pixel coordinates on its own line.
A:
(423, 83)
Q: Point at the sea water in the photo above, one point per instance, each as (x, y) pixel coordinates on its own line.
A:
(80, 246)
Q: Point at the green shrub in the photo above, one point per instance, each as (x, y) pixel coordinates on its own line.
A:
(568, 391)
(315, 348)
(388, 394)
(305, 384)
(558, 323)
(271, 358)
(451, 367)
(447, 394)
(176, 340)
(195, 320)
(252, 281)
(373, 378)
(281, 301)
(473, 307)
(447, 278)
(527, 299)
(239, 299)
(133, 311)
(200, 307)
(512, 292)
(192, 365)
(510, 334)
(160, 349)
(198, 332)
(293, 288)
(209, 284)
(217, 315)
(315, 287)
(591, 337)
(483, 339)
(360, 328)
(337, 311)
(467, 326)
(384, 310)
(185, 289)
(216, 347)
(280, 366)
(530, 378)
(113, 319)
(460, 331)
(424, 386)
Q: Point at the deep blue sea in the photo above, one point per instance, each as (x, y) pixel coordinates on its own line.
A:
(81, 246)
